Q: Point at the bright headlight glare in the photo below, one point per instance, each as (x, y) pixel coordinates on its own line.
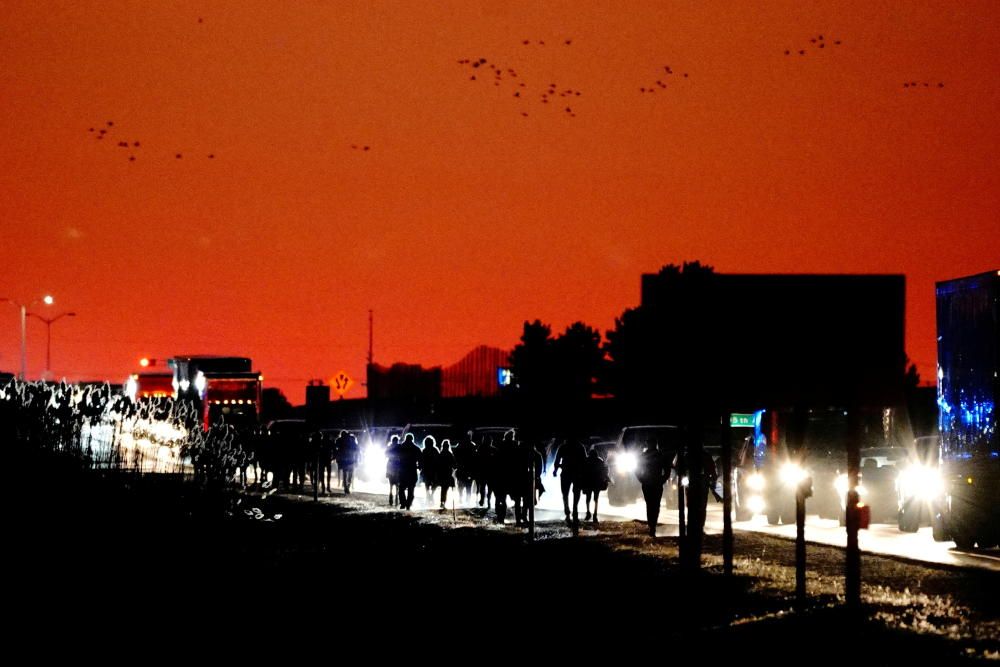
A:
(756, 504)
(755, 482)
(840, 484)
(626, 462)
(375, 460)
(792, 474)
(920, 481)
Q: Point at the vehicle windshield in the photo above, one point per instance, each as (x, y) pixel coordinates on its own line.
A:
(488, 434)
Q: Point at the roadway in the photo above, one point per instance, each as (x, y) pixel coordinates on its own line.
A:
(880, 538)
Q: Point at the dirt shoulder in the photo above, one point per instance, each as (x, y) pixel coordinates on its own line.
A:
(634, 583)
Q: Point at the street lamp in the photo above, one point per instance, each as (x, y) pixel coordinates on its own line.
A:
(48, 338)
(48, 301)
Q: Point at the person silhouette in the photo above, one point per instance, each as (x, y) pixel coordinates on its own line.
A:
(347, 458)
(428, 468)
(570, 457)
(445, 473)
(596, 478)
(392, 469)
(652, 473)
(408, 458)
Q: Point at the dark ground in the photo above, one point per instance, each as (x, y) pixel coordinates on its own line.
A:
(118, 563)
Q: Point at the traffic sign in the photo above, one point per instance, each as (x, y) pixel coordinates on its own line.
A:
(738, 420)
(341, 382)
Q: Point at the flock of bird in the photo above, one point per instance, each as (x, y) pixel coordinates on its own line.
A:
(660, 83)
(482, 70)
(555, 97)
(817, 42)
(99, 133)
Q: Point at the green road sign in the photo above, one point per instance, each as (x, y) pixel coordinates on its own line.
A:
(737, 420)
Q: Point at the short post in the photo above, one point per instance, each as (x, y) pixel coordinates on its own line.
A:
(727, 497)
(802, 490)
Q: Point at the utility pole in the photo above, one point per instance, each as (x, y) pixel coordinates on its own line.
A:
(371, 356)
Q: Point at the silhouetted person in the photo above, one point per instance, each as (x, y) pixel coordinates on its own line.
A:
(409, 462)
(428, 468)
(445, 474)
(347, 458)
(496, 474)
(516, 466)
(698, 490)
(652, 473)
(465, 469)
(595, 479)
(392, 469)
(327, 454)
(571, 457)
(483, 452)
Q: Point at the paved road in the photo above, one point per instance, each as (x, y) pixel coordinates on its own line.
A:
(883, 539)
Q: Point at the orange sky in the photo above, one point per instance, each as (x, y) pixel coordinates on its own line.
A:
(466, 218)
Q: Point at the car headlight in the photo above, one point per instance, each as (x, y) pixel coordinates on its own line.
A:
(920, 481)
(755, 482)
(840, 484)
(792, 474)
(626, 463)
(374, 461)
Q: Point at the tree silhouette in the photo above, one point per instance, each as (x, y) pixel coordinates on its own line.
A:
(531, 361)
(578, 361)
(652, 351)
(557, 370)
(274, 405)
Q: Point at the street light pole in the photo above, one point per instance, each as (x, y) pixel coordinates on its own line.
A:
(48, 300)
(48, 337)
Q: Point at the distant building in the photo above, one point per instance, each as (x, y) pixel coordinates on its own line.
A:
(317, 394)
(476, 374)
(760, 339)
